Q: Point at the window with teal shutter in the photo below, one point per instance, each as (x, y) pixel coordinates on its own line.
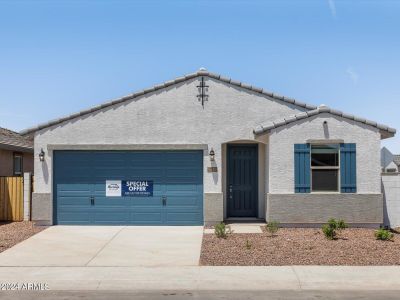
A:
(302, 168)
(348, 170)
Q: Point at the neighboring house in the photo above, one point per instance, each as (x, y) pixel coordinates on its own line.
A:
(390, 163)
(16, 153)
(202, 149)
(396, 160)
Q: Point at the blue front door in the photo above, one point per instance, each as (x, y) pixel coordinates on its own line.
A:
(80, 187)
(242, 180)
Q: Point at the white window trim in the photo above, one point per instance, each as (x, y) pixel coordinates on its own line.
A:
(325, 168)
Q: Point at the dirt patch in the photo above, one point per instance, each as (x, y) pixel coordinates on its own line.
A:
(12, 233)
(300, 246)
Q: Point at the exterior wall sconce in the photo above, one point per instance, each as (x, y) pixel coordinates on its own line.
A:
(41, 155)
(212, 154)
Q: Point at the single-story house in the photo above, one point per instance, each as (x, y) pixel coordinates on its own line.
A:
(16, 153)
(204, 148)
(390, 162)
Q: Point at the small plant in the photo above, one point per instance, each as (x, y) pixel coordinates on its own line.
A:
(221, 230)
(272, 227)
(329, 231)
(341, 225)
(383, 234)
(332, 226)
(248, 245)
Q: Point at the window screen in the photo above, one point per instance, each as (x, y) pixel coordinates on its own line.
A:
(325, 168)
(325, 180)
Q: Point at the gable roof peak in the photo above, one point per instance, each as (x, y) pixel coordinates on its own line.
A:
(200, 72)
(389, 132)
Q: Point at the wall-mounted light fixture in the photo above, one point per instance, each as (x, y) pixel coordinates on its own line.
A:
(212, 154)
(41, 155)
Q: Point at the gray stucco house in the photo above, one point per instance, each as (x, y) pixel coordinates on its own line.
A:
(203, 148)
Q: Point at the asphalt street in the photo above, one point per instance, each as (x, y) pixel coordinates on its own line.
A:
(200, 295)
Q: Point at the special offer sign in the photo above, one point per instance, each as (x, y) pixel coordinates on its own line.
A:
(129, 188)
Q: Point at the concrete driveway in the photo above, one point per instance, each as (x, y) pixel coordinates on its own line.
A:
(108, 246)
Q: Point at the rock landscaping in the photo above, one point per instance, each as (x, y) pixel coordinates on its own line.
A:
(300, 246)
(12, 233)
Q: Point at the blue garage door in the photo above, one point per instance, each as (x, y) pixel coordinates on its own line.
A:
(80, 187)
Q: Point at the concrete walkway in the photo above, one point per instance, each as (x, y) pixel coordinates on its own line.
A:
(207, 278)
(74, 246)
(240, 228)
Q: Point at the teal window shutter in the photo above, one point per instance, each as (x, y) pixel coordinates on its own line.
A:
(348, 170)
(302, 168)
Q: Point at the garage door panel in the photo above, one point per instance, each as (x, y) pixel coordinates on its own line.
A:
(156, 174)
(106, 202)
(68, 201)
(77, 176)
(183, 218)
(104, 216)
(183, 201)
(145, 201)
(81, 175)
(73, 189)
(76, 217)
(181, 188)
(147, 216)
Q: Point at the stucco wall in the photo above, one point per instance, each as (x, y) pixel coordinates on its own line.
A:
(172, 116)
(367, 138)
(391, 197)
(6, 162)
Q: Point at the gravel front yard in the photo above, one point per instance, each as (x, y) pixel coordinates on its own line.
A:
(15, 232)
(300, 246)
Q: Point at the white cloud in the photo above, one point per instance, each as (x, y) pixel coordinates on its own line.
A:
(332, 7)
(352, 74)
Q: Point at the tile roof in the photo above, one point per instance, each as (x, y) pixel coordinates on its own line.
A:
(201, 72)
(312, 109)
(321, 109)
(11, 139)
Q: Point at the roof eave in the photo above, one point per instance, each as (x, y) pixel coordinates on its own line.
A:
(16, 148)
(199, 73)
(385, 131)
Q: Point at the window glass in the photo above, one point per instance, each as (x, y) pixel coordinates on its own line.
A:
(325, 180)
(17, 164)
(325, 155)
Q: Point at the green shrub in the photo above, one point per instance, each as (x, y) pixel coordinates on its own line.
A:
(342, 225)
(332, 223)
(221, 230)
(383, 234)
(272, 227)
(329, 229)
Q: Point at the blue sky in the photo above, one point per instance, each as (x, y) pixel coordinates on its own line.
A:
(59, 57)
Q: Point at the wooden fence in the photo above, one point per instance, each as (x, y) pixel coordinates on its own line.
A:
(11, 198)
